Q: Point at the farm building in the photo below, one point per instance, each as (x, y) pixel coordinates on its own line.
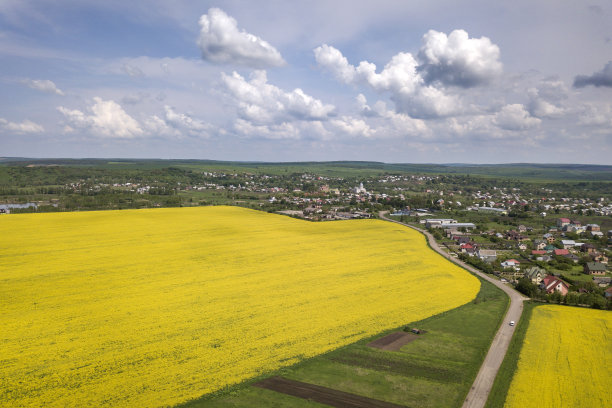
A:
(595, 268)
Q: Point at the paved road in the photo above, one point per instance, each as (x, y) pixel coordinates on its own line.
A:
(477, 397)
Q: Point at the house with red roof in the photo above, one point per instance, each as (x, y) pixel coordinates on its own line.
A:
(562, 222)
(468, 248)
(561, 252)
(552, 284)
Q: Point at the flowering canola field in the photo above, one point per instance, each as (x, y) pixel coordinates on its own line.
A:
(155, 307)
(565, 360)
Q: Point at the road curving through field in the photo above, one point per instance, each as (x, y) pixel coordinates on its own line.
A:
(479, 392)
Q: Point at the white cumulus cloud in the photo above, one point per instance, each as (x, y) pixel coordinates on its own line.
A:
(399, 77)
(515, 117)
(43, 85)
(457, 59)
(540, 107)
(185, 123)
(261, 102)
(107, 118)
(27, 126)
(221, 41)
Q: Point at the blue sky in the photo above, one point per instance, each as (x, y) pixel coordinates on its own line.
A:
(483, 82)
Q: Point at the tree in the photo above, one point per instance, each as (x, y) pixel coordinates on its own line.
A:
(525, 286)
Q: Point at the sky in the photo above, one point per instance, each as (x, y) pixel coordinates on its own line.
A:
(392, 81)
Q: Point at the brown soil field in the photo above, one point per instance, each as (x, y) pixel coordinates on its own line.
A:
(394, 341)
(323, 395)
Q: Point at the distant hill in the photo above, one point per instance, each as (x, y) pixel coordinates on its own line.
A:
(575, 172)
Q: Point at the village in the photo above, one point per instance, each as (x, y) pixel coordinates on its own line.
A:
(546, 266)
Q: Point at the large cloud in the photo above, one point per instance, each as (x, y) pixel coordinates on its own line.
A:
(107, 118)
(515, 117)
(222, 42)
(457, 59)
(27, 126)
(399, 77)
(418, 85)
(261, 102)
(601, 78)
(43, 85)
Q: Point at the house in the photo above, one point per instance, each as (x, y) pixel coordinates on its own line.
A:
(468, 249)
(562, 222)
(511, 263)
(550, 248)
(552, 284)
(462, 239)
(537, 252)
(487, 255)
(522, 228)
(602, 281)
(608, 293)
(568, 243)
(535, 274)
(550, 238)
(593, 228)
(588, 248)
(561, 252)
(572, 257)
(515, 235)
(539, 244)
(594, 268)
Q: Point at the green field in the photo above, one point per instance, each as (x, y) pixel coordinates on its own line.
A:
(435, 370)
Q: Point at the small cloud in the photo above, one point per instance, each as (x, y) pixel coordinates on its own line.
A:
(186, 123)
(107, 118)
(43, 85)
(515, 117)
(601, 78)
(132, 70)
(222, 42)
(27, 126)
(541, 108)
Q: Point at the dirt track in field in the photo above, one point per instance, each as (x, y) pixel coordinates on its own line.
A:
(323, 395)
(394, 341)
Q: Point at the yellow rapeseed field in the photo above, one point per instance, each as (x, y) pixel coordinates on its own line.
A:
(565, 361)
(155, 307)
